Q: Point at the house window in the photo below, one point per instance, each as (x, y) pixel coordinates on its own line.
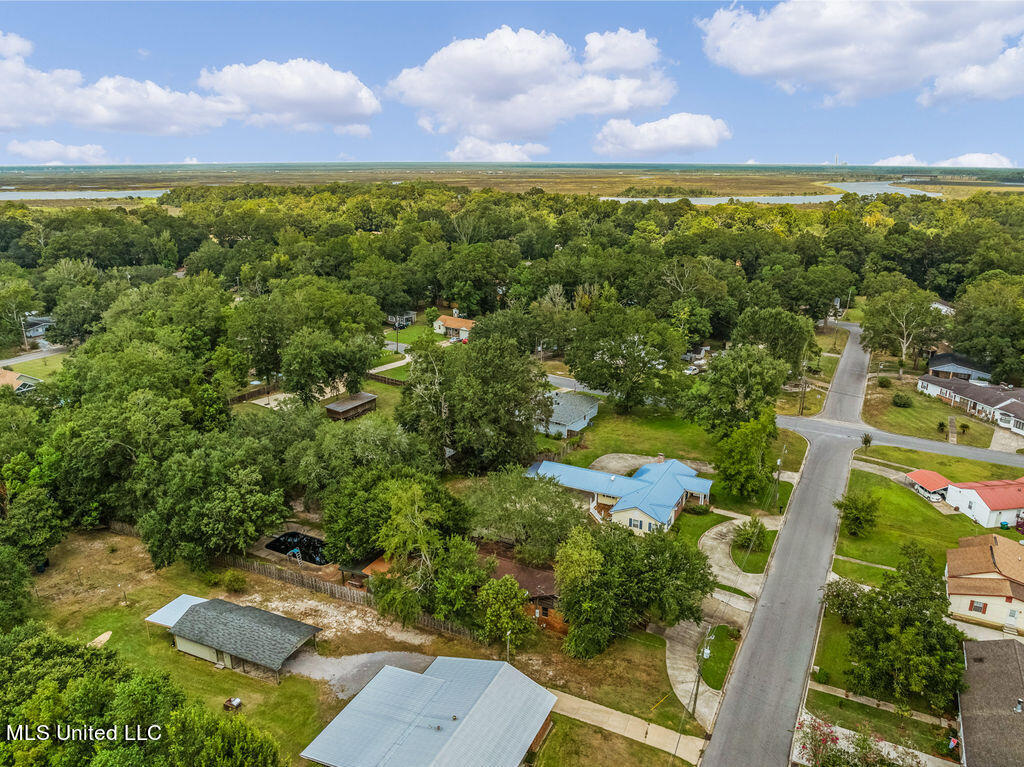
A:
(650, 526)
(978, 607)
(970, 504)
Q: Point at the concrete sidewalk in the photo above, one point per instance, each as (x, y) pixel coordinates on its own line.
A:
(388, 366)
(685, 747)
(880, 704)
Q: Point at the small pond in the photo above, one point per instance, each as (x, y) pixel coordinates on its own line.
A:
(310, 549)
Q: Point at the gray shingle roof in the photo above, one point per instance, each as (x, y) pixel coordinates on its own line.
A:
(956, 360)
(246, 632)
(460, 712)
(993, 733)
(569, 407)
(990, 396)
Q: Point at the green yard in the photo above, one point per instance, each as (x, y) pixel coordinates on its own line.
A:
(952, 468)
(724, 640)
(249, 407)
(903, 516)
(754, 561)
(788, 402)
(573, 742)
(795, 449)
(830, 656)
(831, 339)
(43, 368)
(410, 334)
(693, 526)
(922, 419)
(387, 396)
(640, 432)
(769, 502)
(861, 573)
(387, 356)
(856, 311)
(886, 725)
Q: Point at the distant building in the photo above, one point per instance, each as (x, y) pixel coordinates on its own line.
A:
(952, 365)
(453, 327)
(231, 635)
(353, 406)
(541, 587)
(985, 582)
(571, 413)
(651, 499)
(944, 306)
(37, 325)
(992, 706)
(402, 318)
(20, 382)
(460, 712)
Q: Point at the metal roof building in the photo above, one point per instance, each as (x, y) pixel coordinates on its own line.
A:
(460, 712)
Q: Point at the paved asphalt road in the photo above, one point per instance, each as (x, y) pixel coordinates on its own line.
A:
(762, 701)
(33, 355)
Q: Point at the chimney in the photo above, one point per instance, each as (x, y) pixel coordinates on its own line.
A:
(660, 458)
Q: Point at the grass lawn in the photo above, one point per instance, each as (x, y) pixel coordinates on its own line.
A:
(904, 516)
(724, 640)
(830, 657)
(556, 367)
(546, 444)
(734, 590)
(833, 339)
(387, 396)
(693, 526)
(791, 448)
(572, 742)
(788, 402)
(629, 676)
(856, 311)
(922, 419)
(43, 368)
(886, 725)
(755, 561)
(387, 356)
(640, 432)
(952, 468)
(400, 373)
(410, 334)
(723, 499)
(828, 365)
(855, 571)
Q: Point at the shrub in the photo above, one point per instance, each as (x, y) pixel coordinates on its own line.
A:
(211, 578)
(941, 426)
(902, 399)
(859, 511)
(884, 382)
(865, 439)
(751, 535)
(234, 582)
(698, 509)
(964, 426)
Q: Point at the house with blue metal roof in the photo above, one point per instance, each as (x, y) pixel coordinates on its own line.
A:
(649, 500)
(460, 712)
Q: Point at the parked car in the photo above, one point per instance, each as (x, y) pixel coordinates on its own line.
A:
(928, 495)
(692, 370)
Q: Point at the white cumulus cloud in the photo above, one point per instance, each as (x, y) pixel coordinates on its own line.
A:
(50, 152)
(679, 133)
(1000, 79)
(472, 149)
(900, 159)
(620, 51)
(519, 84)
(855, 50)
(978, 160)
(299, 94)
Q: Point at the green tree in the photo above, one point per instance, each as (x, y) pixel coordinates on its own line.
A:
(989, 324)
(627, 352)
(738, 387)
(859, 512)
(502, 604)
(751, 535)
(784, 335)
(534, 515)
(459, 574)
(742, 458)
(33, 524)
(899, 320)
(476, 404)
(17, 299)
(14, 588)
(902, 645)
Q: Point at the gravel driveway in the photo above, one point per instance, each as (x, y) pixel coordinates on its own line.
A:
(347, 675)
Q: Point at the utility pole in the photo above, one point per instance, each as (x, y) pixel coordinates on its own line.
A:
(703, 654)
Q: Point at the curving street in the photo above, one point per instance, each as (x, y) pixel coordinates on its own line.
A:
(765, 692)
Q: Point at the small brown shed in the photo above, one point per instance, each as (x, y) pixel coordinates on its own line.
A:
(352, 406)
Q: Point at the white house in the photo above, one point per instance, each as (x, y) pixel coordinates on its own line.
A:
(1002, 404)
(989, 503)
(953, 365)
(453, 327)
(985, 582)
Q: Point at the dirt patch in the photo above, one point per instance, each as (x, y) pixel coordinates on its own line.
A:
(347, 676)
(339, 620)
(626, 463)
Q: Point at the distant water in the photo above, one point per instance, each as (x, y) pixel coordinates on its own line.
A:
(80, 194)
(857, 187)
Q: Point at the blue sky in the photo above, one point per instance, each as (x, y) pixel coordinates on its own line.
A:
(614, 81)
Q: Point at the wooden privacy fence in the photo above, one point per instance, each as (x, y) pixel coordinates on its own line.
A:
(385, 379)
(311, 582)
